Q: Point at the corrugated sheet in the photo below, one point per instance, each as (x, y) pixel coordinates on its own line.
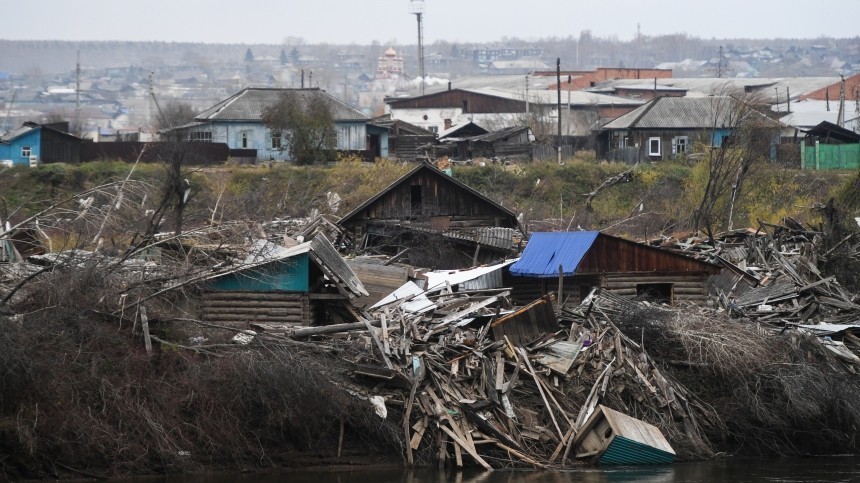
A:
(250, 103)
(546, 251)
(623, 451)
(681, 112)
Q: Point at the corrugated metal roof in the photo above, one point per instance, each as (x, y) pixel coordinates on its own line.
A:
(546, 251)
(624, 451)
(682, 112)
(249, 104)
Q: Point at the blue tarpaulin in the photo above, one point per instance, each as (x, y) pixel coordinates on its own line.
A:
(546, 251)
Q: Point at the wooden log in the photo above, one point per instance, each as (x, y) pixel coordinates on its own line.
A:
(333, 329)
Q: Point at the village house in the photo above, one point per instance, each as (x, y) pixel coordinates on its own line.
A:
(432, 220)
(585, 260)
(34, 143)
(667, 127)
(282, 285)
(496, 108)
(404, 139)
(237, 121)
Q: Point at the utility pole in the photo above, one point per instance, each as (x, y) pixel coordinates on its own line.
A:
(303, 79)
(78, 95)
(558, 92)
(721, 64)
(840, 116)
(527, 97)
(416, 7)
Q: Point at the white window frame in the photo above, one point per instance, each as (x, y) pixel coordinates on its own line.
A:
(276, 140)
(679, 142)
(652, 152)
(245, 139)
(26, 151)
(200, 136)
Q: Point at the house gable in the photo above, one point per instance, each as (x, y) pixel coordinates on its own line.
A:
(427, 194)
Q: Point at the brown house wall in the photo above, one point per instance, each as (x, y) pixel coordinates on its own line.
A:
(615, 255)
(476, 103)
(852, 90)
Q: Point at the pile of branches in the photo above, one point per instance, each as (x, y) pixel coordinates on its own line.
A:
(79, 395)
(775, 392)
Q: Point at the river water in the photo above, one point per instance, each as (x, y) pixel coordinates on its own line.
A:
(810, 469)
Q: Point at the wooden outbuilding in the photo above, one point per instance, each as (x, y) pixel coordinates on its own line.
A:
(282, 286)
(610, 437)
(440, 221)
(584, 260)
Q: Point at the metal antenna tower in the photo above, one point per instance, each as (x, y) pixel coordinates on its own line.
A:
(416, 7)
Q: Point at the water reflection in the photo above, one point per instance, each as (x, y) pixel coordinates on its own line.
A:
(813, 469)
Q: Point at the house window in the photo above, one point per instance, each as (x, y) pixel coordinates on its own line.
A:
(680, 145)
(200, 136)
(625, 142)
(653, 146)
(433, 129)
(25, 151)
(276, 142)
(655, 292)
(244, 140)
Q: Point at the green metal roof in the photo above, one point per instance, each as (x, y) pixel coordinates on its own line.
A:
(624, 451)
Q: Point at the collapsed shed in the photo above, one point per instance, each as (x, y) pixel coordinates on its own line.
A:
(281, 286)
(574, 263)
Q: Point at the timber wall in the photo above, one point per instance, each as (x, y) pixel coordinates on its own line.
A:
(239, 308)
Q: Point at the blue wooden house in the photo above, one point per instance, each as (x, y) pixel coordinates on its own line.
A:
(33, 144)
(295, 285)
(237, 121)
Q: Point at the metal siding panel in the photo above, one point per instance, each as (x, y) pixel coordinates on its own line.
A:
(624, 451)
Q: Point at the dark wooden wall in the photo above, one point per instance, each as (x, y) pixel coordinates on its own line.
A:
(59, 148)
(476, 103)
(440, 197)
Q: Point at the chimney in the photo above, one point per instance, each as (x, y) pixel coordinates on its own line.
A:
(449, 85)
(447, 124)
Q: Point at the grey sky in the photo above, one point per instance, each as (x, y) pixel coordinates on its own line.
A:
(352, 21)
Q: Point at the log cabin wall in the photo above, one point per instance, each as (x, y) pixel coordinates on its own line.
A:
(684, 287)
(235, 308)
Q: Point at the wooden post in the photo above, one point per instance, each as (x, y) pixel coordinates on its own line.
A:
(560, 286)
(144, 326)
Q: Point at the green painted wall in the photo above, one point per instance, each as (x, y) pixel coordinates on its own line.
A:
(830, 156)
(284, 275)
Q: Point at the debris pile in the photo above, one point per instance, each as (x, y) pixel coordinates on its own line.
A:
(476, 379)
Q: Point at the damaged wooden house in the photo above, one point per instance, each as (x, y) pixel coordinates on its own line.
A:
(430, 219)
(300, 285)
(573, 263)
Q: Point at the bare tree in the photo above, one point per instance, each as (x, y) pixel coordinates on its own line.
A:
(740, 139)
(306, 122)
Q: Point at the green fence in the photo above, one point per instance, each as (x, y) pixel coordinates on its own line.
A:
(830, 156)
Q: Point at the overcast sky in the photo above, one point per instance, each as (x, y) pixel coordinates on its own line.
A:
(354, 21)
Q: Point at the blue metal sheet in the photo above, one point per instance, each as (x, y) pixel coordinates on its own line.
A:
(546, 251)
(624, 451)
